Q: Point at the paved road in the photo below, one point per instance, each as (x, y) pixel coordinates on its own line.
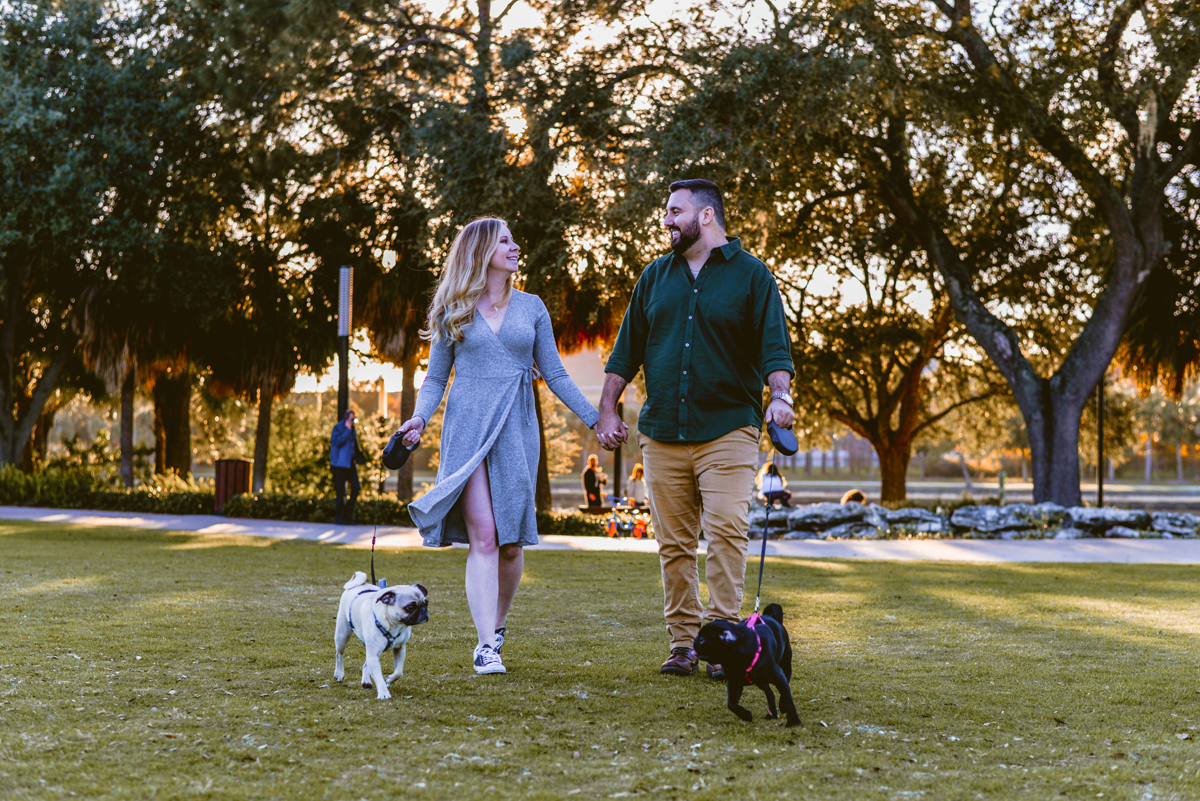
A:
(1115, 551)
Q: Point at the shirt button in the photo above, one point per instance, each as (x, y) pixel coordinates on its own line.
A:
(689, 316)
(685, 372)
(694, 291)
(683, 400)
(687, 344)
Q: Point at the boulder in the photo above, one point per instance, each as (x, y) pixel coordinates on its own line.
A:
(876, 515)
(1179, 524)
(821, 516)
(992, 519)
(847, 531)
(802, 535)
(779, 519)
(1098, 521)
(1070, 534)
(1122, 532)
(1048, 513)
(920, 520)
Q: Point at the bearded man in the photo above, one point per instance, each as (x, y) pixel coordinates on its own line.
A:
(706, 324)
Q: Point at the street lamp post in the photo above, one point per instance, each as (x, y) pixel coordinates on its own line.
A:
(345, 294)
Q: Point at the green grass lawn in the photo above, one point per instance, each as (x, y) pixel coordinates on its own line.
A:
(137, 664)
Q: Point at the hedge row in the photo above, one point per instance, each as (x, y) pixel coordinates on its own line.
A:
(76, 489)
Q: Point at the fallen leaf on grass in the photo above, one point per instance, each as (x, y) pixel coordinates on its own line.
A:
(575, 756)
(1183, 736)
(1061, 722)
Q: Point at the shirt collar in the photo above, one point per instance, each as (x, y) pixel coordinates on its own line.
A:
(727, 251)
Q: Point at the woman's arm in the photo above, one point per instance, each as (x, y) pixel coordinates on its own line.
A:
(429, 397)
(549, 364)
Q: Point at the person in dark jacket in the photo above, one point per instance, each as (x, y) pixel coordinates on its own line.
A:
(593, 481)
(344, 457)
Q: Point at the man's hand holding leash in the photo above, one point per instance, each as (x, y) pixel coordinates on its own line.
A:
(779, 410)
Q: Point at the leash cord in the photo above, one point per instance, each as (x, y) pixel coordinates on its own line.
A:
(762, 559)
(373, 581)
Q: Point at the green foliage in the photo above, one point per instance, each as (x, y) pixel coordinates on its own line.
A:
(315, 509)
(570, 524)
(298, 461)
(75, 488)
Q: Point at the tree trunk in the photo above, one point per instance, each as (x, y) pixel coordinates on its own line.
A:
(160, 438)
(808, 461)
(893, 471)
(408, 402)
(128, 386)
(1179, 462)
(541, 495)
(173, 410)
(262, 439)
(962, 462)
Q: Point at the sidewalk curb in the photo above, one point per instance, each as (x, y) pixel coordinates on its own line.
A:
(979, 551)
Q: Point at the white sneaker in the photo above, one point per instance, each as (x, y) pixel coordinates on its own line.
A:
(487, 660)
(500, 638)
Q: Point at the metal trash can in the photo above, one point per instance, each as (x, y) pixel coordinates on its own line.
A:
(232, 477)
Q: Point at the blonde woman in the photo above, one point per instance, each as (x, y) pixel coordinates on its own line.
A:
(497, 339)
(637, 486)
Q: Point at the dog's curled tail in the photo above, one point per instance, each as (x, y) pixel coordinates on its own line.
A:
(775, 611)
(359, 578)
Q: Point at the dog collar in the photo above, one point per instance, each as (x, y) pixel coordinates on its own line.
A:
(751, 623)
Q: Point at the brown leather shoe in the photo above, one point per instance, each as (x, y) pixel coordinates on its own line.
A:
(683, 662)
(714, 671)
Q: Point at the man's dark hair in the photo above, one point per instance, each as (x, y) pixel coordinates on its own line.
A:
(707, 194)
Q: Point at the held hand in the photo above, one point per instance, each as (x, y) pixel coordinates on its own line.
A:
(610, 430)
(412, 429)
(781, 414)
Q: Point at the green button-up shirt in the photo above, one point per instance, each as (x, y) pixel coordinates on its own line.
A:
(707, 344)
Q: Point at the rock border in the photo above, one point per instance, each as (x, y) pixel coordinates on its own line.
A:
(1018, 521)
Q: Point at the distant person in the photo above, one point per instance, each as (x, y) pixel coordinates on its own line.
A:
(498, 341)
(593, 482)
(344, 457)
(854, 496)
(772, 485)
(637, 486)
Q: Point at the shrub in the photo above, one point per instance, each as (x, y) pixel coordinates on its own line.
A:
(570, 524)
(315, 509)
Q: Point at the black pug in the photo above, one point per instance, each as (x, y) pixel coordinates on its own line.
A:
(755, 651)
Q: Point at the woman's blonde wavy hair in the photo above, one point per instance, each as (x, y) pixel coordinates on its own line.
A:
(464, 279)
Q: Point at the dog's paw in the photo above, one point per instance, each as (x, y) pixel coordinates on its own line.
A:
(772, 715)
(792, 723)
(743, 713)
(383, 696)
(366, 685)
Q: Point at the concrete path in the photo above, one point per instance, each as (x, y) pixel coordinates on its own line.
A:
(1118, 551)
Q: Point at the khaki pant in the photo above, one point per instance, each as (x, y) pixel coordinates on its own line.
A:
(694, 487)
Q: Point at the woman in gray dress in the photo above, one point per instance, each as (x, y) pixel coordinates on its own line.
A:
(496, 339)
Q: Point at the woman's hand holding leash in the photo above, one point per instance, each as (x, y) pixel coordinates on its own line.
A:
(412, 429)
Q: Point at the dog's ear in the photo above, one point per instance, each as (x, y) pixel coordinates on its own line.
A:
(388, 598)
(424, 591)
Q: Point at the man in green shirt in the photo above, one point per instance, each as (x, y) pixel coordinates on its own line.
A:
(706, 323)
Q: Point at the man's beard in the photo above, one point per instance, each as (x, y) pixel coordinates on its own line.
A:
(689, 234)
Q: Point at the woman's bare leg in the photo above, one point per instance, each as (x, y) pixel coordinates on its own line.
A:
(512, 564)
(483, 555)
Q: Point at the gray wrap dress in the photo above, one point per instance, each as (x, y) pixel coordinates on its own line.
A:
(490, 415)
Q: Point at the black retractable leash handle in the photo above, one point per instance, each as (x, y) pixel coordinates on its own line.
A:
(783, 441)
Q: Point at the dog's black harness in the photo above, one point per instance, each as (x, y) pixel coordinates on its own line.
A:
(391, 638)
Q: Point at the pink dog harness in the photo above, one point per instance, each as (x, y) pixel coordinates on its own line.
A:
(751, 622)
